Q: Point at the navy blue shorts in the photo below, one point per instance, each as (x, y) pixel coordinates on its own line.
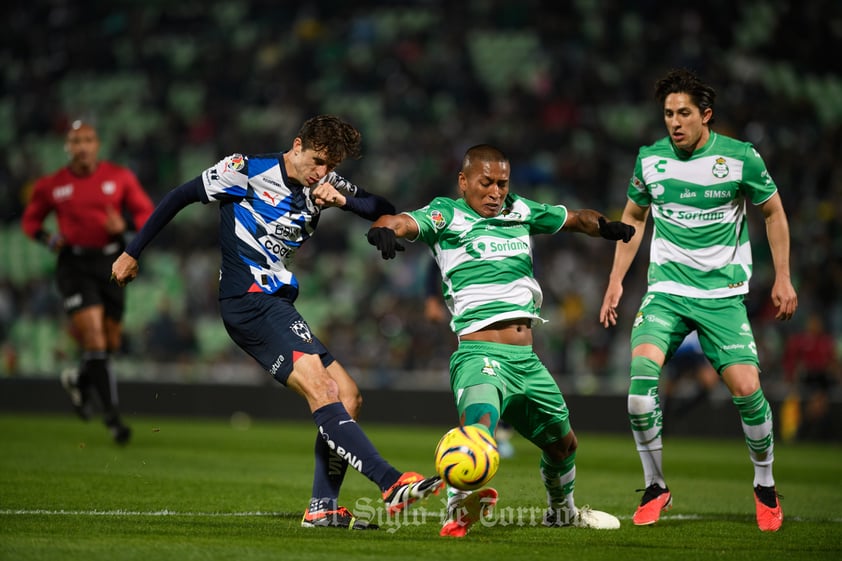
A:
(271, 330)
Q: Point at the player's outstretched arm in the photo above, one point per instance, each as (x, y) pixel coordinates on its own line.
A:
(594, 224)
(125, 268)
(386, 230)
(624, 253)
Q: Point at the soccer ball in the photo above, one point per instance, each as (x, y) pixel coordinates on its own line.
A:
(467, 458)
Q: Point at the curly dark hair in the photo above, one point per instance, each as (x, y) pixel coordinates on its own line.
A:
(339, 139)
(684, 81)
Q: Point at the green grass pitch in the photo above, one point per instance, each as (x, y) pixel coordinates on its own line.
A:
(208, 489)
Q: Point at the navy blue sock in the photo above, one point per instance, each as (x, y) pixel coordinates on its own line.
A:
(327, 477)
(344, 436)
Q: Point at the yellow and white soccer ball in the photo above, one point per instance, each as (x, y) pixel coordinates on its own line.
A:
(467, 458)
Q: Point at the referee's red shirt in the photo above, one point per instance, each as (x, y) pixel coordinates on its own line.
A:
(81, 203)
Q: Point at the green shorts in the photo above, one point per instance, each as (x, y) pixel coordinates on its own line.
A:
(725, 334)
(530, 399)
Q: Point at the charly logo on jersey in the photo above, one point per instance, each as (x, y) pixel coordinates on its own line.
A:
(767, 179)
(489, 367)
(720, 168)
(109, 187)
(302, 330)
(438, 219)
(487, 248)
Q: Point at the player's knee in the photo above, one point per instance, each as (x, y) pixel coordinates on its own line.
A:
(744, 389)
(742, 380)
(572, 445)
(310, 378)
(562, 449)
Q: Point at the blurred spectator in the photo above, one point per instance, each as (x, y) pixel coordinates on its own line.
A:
(812, 370)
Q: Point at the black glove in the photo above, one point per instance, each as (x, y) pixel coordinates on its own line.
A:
(385, 240)
(615, 230)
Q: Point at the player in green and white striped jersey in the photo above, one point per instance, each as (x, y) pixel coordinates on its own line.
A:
(482, 245)
(696, 183)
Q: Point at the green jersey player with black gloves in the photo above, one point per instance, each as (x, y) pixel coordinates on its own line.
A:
(482, 244)
(696, 183)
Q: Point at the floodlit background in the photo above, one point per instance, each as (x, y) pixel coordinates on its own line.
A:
(564, 88)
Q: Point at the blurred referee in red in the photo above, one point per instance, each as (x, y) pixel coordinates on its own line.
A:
(89, 197)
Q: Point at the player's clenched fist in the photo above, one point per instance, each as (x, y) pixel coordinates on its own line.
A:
(124, 269)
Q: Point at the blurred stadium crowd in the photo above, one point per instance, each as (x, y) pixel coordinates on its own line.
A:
(563, 87)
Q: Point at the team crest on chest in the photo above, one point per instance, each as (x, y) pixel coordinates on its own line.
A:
(720, 168)
(109, 187)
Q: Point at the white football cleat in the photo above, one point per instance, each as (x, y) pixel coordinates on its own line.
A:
(584, 517)
(595, 519)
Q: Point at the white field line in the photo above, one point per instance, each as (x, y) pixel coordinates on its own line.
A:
(175, 513)
(165, 512)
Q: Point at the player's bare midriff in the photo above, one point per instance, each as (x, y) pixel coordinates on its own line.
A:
(509, 332)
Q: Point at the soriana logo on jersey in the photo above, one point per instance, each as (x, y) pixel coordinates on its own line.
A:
(487, 247)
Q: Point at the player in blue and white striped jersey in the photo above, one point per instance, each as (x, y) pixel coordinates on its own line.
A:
(270, 204)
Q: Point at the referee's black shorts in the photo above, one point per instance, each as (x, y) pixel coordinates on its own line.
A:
(83, 276)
